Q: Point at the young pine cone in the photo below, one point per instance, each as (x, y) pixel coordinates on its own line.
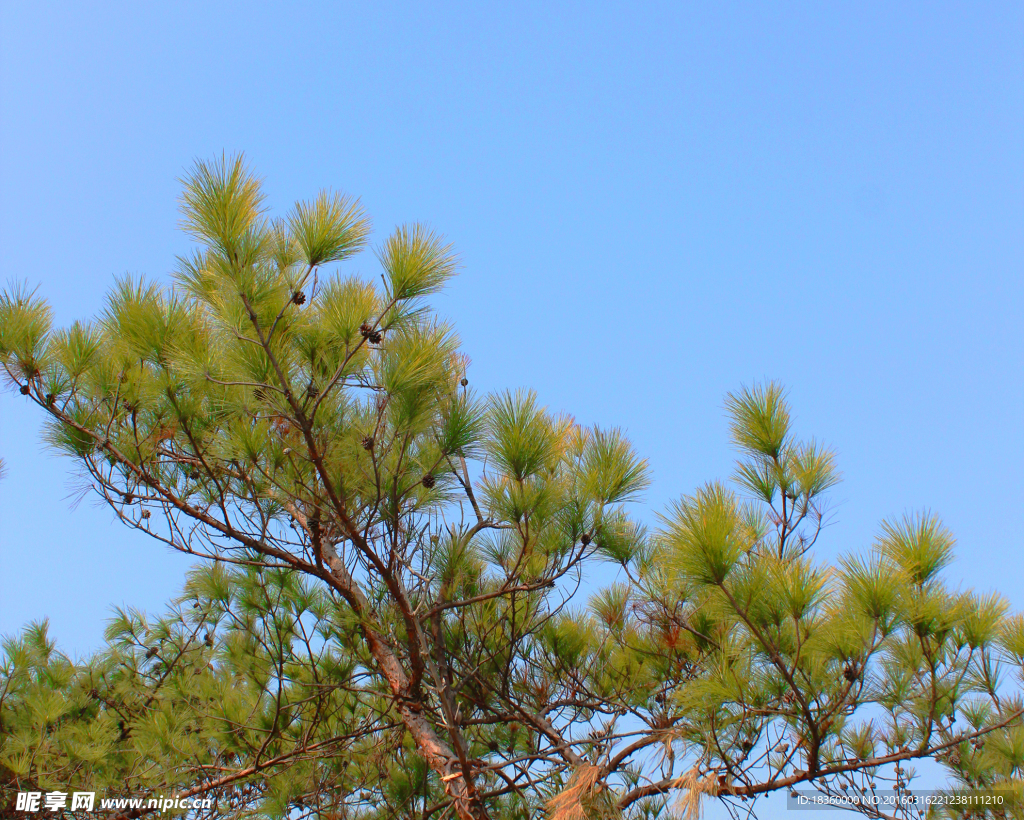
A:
(429, 481)
(371, 335)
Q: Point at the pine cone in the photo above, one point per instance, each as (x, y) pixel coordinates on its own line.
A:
(367, 442)
(299, 298)
(375, 337)
(24, 389)
(585, 539)
(429, 481)
(464, 381)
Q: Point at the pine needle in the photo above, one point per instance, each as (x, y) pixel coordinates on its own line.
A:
(692, 790)
(570, 803)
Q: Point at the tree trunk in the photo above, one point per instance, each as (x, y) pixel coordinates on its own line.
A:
(437, 754)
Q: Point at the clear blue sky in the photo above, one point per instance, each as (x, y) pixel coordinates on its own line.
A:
(655, 204)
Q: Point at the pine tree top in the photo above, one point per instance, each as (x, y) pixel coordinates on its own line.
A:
(388, 615)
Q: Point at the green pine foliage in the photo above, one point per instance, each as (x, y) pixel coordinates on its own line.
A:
(391, 613)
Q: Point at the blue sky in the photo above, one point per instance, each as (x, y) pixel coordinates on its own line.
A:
(654, 205)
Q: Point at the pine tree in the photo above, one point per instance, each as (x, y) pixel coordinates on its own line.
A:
(386, 618)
